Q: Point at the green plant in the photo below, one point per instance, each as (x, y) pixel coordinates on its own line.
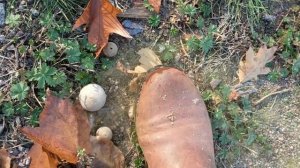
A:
(205, 44)
(46, 75)
(13, 20)
(154, 20)
(232, 123)
(8, 109)
(174, 31)
(68, 7)
(148, 5)
(19, 91)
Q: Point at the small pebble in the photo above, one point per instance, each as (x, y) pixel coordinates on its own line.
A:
(34, 12)
(2, 38)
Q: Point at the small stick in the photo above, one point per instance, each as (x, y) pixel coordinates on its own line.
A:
(34, 96)
(271, 94)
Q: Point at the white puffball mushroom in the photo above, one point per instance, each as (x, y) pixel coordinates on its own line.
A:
(92, 97)
(111, 49)
(104, 133)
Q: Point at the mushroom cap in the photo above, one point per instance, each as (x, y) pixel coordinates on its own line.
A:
(92, 97)
(111, 49)
(104, 133)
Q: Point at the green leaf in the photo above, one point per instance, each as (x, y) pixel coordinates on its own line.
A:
(13, 20)
(8, 109)
(251, 138)
(72, 50)
(83, 77)
(207, 95)
(43, 75)
(205, 9)
(59, 78)
(154, 20)
(193, 43)
(19, 91)
(46, 54)
(88, 46)
(53, 34)
(88, 62)
(34, 117)
(200, 23)
(296, 67)
(21, 108)
(207, 44)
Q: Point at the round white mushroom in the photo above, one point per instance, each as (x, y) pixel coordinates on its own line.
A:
(104, 133)
(92, 97)
(111, 49)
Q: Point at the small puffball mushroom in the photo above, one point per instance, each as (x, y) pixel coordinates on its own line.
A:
(92, 97)
(111, 49)
(104, 133)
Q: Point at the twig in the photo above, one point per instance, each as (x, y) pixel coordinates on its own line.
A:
(271, 94)
(183, 49)
(34, 96)
(282, 20)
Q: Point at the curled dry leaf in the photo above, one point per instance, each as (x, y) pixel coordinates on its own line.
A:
(255, 64)
(148, 61)
(100, 16)
(40, 157)
(107, 155)
(64, 128)
(4, 159)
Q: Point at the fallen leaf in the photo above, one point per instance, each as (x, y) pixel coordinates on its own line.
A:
(100, 16)
(156, 4)
(64, 128)
(42, 158)
(148, 61)
(106, 154)
(4, 159)
(254, 64)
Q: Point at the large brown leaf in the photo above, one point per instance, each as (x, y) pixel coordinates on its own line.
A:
(255, 64)
(100, 16)
(64, 128)
(4, 159)
(42, 158)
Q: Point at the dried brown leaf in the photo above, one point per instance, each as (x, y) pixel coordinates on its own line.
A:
(64, 128)
(148, 61)
(4, 159)
(254, 64)
(100, 16)
(40, 157)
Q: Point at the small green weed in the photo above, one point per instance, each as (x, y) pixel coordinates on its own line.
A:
(204, 44)
(19, 91)
(154, 20)
(232, 122)
(13, 20)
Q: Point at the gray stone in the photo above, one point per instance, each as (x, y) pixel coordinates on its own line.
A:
(2, 14)
(2, 38)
